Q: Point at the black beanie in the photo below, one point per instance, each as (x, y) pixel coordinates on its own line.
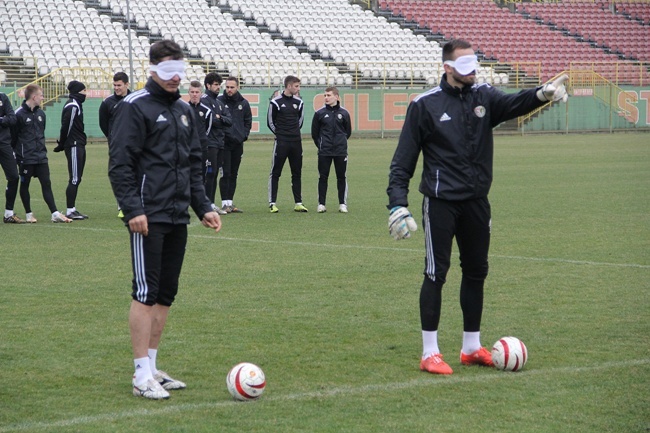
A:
(76, 86)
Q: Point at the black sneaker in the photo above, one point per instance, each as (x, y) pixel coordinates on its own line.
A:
(12, 220)
(76, 215)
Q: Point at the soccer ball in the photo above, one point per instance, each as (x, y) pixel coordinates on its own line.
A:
(509, 354)
(246, 381)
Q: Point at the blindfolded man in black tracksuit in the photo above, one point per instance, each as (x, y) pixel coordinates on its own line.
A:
(451, 125)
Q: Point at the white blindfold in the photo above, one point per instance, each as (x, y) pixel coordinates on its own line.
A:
(464, 64)
(169, 68)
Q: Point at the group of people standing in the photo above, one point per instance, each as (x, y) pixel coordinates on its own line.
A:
(164, 156)
(23, 154)
(331, 127)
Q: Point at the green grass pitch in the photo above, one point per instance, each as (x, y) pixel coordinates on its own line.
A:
(327, 304)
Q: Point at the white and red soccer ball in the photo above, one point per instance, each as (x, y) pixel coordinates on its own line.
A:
(509, 354)
(246, 381)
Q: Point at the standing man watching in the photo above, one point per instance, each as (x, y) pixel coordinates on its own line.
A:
(203, 113)
(72, 139)
(8, 159)
(216, 127)
(284, 119)
(120, 90)
(236, 135)
(452, 126)
(28, 140)
(330, 128)
(155, 170)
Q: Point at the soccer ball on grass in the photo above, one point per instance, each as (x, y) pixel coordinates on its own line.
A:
(245, 381)
(509, 354)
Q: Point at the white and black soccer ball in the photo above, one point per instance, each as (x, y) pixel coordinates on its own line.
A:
(246, 381)
(509, 354)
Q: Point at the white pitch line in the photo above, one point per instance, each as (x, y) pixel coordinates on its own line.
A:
(218, 237)
(425, 380)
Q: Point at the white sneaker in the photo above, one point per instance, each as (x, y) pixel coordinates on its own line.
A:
(343, 208)
(321, 208)
(58, 217)
(150, 389)
(218, 210)
(168, 382)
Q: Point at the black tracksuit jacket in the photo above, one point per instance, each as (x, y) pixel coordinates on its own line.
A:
(155, 164)
(452, 128)
(7, 120)
(106, 112)
(285, 117)
(72, 123)
(28, 135)
(242, 119)
(216, 128)
(330, 129)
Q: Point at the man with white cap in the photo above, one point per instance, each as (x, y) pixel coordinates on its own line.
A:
(452, 126)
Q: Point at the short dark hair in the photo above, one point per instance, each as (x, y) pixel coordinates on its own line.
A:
(164, 48)
(453, 45)
(121, 76)
(332, 89)
(30, 90)
(195, 83)
(290, 79)
(235, 79)
(211, 78)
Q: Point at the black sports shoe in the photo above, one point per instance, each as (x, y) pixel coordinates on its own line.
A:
(12, 220)
(76, 215)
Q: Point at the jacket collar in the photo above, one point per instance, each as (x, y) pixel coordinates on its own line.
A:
(159, 93)
(448, 88)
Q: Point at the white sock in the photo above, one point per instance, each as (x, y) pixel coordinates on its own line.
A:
(429, 343)
(8, 213)
(70, 210)
(224, 203)
(55, 213)
(229, 203)
(142, 370)
(29, 215)
(152, 360)
(471, 342)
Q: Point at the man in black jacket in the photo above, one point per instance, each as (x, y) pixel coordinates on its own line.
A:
(217, 124)
(72, 139)
(120, 90)
(8, 159)
(284, 119)
(236, 135)
(28, 141)
(155, 169)
(452, 126)
(330, 129)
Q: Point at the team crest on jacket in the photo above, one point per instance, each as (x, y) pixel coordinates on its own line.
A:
(295, 106)
(184, 120)
(201, 113)
(40, 119)
(240, 107)
(340, 116)
(479, 111)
